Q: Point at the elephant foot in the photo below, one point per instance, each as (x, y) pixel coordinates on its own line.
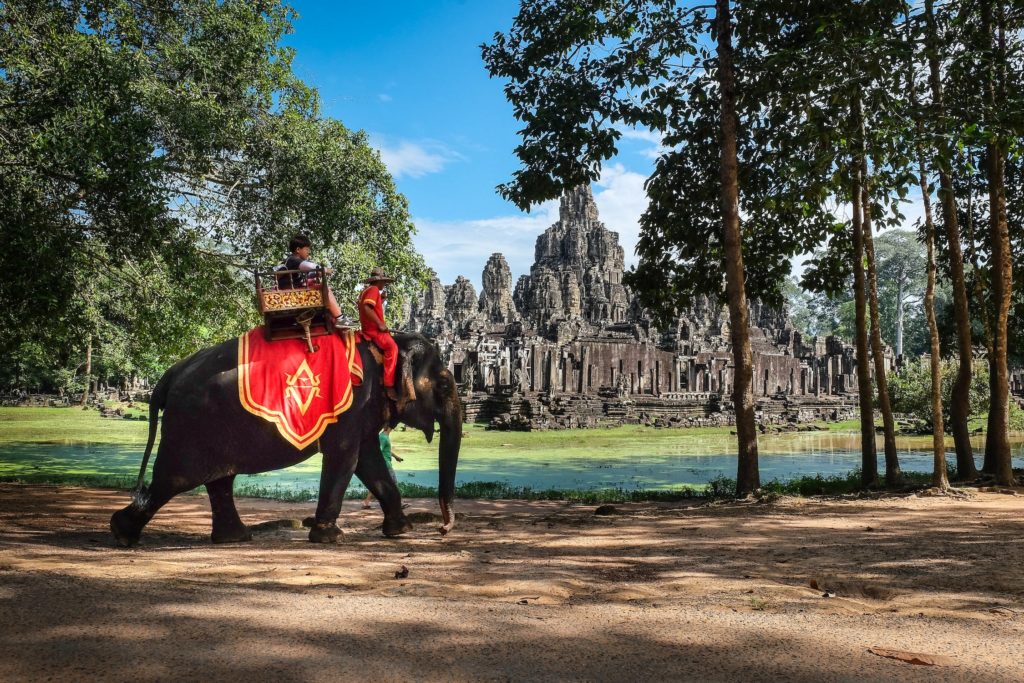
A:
(239, 534)
(324, 532)
(126, 530)
(396, 526)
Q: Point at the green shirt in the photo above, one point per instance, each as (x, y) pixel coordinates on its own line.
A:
(385, 447)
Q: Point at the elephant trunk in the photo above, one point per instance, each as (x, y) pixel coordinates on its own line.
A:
(448, 451)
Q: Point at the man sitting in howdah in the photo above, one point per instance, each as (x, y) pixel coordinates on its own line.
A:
(298, 260)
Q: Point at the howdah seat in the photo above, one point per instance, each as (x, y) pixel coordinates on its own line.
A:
(293, 312)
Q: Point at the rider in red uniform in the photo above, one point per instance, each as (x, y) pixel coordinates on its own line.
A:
(371, 320)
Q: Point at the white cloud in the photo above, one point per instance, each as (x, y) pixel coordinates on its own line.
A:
(621, 199)
(384, 97)
(405, 158)
(463, 247)
(655, 146)
(454, 248)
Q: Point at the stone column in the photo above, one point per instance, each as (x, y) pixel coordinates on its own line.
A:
(584, 369)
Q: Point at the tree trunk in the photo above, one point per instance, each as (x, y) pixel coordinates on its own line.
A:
(899, 321)
(88, 371)
(940, 478)
(893, 476)
(1002, 264)
(959, 405)
(1002, 290)
(869, 459)
(981, 302)
(747, 475)
(990, 462)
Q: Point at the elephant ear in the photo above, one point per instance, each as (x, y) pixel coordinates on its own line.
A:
(405, 362)
(410, 353)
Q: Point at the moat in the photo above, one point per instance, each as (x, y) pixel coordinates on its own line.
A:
(657, 459)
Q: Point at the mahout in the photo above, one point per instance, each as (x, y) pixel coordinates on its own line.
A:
(207, 438)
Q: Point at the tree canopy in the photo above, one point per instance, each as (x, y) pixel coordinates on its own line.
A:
(149, 153)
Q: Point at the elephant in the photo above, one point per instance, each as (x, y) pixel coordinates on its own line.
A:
(207, 437)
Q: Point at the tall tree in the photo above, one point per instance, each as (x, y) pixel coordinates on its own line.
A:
(893, 476)
(577, 73)
(831, 65)
(869, 457)
(959, 406)
(993, 51)
(747, 477)
(901, 272)
(940, 478)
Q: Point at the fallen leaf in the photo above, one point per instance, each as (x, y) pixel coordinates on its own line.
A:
(402, 573)
(912, 657)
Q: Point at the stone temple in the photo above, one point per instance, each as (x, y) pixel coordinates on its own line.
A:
(570, 346)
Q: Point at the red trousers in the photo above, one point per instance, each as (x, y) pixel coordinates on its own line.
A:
(386, 343)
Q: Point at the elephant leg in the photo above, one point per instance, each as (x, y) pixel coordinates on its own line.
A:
(373, 472)
(339, 462)
(127, 523)
(227, 525)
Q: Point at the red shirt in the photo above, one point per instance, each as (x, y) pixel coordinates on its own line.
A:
(370, 295)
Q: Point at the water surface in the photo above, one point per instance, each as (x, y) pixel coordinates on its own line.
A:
(630, 463)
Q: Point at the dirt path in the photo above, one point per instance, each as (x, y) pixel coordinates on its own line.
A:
(518, 591)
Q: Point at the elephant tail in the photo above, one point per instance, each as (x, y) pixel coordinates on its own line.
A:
(156, 404)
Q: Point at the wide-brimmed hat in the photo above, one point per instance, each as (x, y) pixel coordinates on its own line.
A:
(378, 276)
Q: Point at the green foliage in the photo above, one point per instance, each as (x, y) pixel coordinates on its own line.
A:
(828, 310)
(149, 154)
(1016, 423)
(910, 389)
(819, 314)
(718, 489)
(578, 74)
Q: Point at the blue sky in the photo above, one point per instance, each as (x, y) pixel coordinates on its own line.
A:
(410, 75)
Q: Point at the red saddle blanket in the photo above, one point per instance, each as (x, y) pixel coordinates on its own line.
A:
(300, 392)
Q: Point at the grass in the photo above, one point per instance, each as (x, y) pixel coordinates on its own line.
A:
(717, 489)
(72, 425)
(106, 481)
(470, 490)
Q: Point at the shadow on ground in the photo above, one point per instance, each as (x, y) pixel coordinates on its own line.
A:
(518, 591)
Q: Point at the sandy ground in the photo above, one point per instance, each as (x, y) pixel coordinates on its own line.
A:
(519, 591)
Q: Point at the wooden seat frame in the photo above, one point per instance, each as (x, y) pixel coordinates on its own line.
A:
(294, 313)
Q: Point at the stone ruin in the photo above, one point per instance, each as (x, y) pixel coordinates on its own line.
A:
(570, 346)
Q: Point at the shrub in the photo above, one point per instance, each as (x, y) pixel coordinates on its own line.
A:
(910, 390)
